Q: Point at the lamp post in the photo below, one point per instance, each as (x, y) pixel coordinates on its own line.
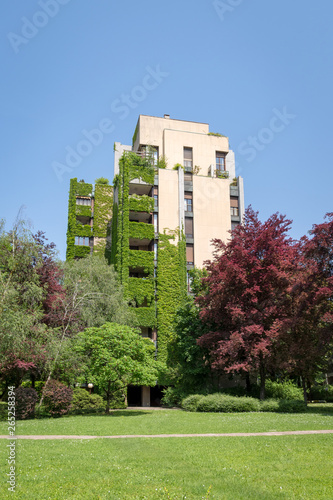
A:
(90, 386)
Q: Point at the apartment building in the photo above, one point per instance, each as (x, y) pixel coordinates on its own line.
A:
(174, 190)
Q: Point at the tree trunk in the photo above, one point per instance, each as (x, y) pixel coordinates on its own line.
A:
(108, 397)
(248, 383)
(262, 381)
(304, 390)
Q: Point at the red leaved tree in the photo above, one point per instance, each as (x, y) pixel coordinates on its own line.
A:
(248, 296)
(308, 332)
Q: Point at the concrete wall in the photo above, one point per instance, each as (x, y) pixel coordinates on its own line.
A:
(171, 136)
(211, 210)
(168, 209)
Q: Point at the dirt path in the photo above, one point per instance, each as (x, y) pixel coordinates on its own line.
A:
(233, 434)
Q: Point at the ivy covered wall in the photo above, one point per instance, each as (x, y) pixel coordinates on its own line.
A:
(103, 198)
(142, 291)
(103, 201)
(74, 227)
(171, 287)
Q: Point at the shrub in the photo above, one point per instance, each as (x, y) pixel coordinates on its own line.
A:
(57, 398)
(227, 404)
(322, 392)
(269, 405)
(283, 390)
(289, 406)
(172, 396)
(25, 402)
(191, 402)
(39, 385)
(82, 400)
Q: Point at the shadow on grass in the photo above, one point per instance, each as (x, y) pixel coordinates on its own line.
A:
(113, 413)
(320, 409)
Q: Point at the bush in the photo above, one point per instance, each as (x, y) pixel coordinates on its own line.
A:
(322, 393)
(82, 400)
(288, 406)
(3, 410)
(283, 390)
(57, 398)
(172, 397)
(39, 385)
(227, 404)
(269, 405)
(25, 402)
(191, 402)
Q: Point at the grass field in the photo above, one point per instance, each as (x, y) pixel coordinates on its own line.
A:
(177, 422)
(274, 467)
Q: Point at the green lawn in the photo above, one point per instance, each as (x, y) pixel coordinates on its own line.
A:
(177, 421)
(293, 467)
(236, 468)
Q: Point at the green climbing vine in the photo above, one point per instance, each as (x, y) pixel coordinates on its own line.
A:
(142, 290)
(141, 230)
(142, 203)
(141, 259)
(102, 209)
(171, 287)
(81, 251)
(74, 227)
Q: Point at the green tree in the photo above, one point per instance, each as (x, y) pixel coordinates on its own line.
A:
(116, 356)
(25, 337)
(92, 297)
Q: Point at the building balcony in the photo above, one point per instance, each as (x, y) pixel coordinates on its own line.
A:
(217, 172)
(140, 233)
(141, 203)
(141, 261)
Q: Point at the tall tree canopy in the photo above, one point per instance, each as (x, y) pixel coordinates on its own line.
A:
(248, 295)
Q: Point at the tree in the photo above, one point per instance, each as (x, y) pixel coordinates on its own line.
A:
(116, 357)
(24, 336)
(248, 295)
(189, 361)
(92, 297)
(308, 332)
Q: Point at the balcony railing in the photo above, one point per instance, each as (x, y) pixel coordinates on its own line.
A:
(216, 172)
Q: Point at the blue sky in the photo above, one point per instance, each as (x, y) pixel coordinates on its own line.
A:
(259, 72)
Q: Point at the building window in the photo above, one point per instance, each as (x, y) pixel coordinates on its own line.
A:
(189, 253)
(188, 177)
(188, 201)
(234, 225)
(82, 240)
(234, 210)
(189, 227)
(155, 223)
(83, 201)
(220, 162)
(188, 157)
